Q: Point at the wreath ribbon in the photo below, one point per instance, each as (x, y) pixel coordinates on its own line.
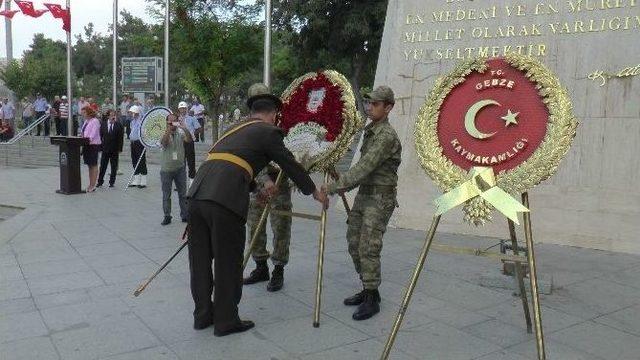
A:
(482, 183)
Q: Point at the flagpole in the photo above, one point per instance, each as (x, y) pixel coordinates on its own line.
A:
(166, 54)
(69, 88)
(115, 54)
(267, 43)
(8, 32)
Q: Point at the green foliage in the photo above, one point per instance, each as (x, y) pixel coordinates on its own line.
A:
(216, 49)
(342, 35)
(42, 69)
(17, 79)
(92, 63)
(219, 54)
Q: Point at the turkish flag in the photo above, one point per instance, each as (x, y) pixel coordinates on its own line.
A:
(66, 21)
(9, 13)
(27, 8)
(56, 10)
(59, 13)
(37, 13)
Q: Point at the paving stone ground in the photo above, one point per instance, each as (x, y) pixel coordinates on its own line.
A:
(69, 265)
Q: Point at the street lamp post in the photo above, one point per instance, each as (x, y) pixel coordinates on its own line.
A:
(69, 87)
(115, 53)
(8, 33)
(267, 44)
(166, 54)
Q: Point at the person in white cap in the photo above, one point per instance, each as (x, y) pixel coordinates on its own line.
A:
(192, 125)
(140, 174)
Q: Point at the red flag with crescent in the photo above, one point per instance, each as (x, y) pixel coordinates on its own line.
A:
(66, 21)
(56, 10)
(9, 13)
(59, 13)
(27, 8)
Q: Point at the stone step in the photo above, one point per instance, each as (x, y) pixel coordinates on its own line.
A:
(33, 152)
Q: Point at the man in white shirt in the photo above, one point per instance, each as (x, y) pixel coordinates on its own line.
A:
(199, 113)
(193, 126)
(9, 113)
(41, 106)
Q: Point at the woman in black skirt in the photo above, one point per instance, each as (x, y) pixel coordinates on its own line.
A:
(91, 131)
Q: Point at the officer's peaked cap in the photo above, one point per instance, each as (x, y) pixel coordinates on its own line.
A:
(259, 91)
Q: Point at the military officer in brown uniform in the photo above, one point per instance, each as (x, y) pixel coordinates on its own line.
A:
(218, 205)
(376, 176)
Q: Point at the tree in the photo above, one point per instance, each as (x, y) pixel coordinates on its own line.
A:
(17, 79)
(42, 69)
(218, 49)
(343, 35)
(92, 63)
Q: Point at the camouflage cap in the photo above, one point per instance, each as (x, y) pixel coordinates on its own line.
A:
(259, 91)
(381, 93)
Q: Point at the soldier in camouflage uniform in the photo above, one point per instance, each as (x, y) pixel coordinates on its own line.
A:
(280, 225)
(376, 176)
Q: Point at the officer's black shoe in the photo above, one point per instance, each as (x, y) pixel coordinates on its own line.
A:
(99, 185)
(369, 307)
(261, 273)
(356, 299)
(200, 325)
(166, 221)
(242, 326)
(277, 279)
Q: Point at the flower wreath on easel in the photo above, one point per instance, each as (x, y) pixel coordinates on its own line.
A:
(320, 119)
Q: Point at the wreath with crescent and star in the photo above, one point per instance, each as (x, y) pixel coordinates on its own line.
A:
(561, 128)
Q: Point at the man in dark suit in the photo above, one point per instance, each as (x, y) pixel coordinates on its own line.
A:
(218, 206)
(112, 134)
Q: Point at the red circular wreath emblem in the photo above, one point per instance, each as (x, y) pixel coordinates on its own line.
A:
(316, 100)
(494, 119)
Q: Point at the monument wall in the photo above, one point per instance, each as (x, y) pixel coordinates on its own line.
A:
(593, 46)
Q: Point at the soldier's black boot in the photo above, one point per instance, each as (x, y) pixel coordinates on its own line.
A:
(369, 307)
(356, 299)
(277, 279)
(261, 273)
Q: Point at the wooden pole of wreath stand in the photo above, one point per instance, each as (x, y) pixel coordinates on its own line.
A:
(531, 260)
(322, 218)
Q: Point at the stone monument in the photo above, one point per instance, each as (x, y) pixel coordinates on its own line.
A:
(593, 46)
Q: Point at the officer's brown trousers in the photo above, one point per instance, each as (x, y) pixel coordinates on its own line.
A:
(215, 232)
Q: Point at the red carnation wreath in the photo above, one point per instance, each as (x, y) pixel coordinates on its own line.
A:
(328, 113)
(320, 118)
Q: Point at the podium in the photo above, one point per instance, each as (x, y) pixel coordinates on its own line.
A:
(69, 162)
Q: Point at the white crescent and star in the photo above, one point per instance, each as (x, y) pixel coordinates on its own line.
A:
(472, 113)
(510, 118)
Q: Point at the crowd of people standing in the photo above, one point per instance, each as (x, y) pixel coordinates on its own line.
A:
(107, 128)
